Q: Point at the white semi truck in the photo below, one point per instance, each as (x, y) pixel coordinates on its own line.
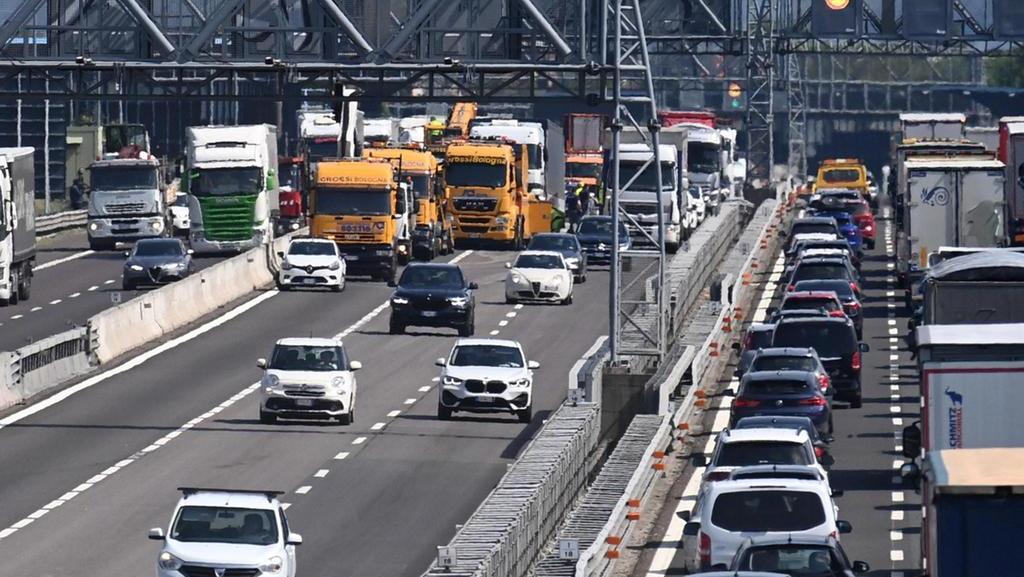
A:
(231, 176)
(127, 202)
(17, 224)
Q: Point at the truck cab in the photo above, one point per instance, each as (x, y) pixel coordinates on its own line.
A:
(704, 169)
(641, 199)
(358, 203)
(843, 173)
(127, 202)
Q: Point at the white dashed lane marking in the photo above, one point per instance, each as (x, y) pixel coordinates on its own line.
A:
(303, 489)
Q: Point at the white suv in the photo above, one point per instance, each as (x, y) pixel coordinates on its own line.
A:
(311, 262)
(736, 448)
(227, 532)
(486, 376)
(736, 510)
(308, 377)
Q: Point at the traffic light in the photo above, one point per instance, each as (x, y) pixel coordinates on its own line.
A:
(1008, 16)
(735, 97)
(928, 19)
(836, 18)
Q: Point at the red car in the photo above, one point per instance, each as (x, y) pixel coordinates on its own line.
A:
(865, 220)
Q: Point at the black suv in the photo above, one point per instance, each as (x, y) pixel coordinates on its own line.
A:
(433, 295)
(835, 340)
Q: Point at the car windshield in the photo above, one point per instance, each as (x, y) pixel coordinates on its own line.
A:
(308, 358)
(703, 157)
(829, 339)
(841, 175)
(225, 525)
(159, 248)
(321, 148)
(794, 560)
(768, 510)
(432, 277)
(743, 454)
(226, 181)
(648, 178)
(345, 201)
(312, 249)
(583, 170)
(840, 287)
(123, 178)
(813, 227)
(774, 387)
(553, 242)
(487, 356)
(842, 218)
(485, 174)
(810, 303)
(600, 227)
(823, 270)
(548, 261)
(773, 363)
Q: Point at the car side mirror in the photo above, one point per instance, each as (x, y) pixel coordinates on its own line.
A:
(280, 254)
(860, 567)
(728, 393)
(261, 363)
(691, 529)
(685, 515)
(127, 253)
(508, 265)
(911, 475)
(294, 539)
(699, 460)
(844, 527)
(392, 284)
(354, 365)
(864, 347)
(911, 441)
(190, 252)
(440, 362)
(473, 286)
(157, 534)
(532, 365)
(836, 493)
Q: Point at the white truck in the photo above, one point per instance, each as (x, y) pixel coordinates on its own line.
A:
(639, 197)
(705, 168)
(520, 132)
(971, 388)
(380, 131)
(933, 126)
(17, 223)
(231, 177)
(1011, 152)
(127, 202)
(956, 201)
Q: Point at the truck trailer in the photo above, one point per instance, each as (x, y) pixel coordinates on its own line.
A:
(17, 223)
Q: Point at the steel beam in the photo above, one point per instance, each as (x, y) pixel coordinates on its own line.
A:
(540, 20)
(338, 15)
(154, 32)
(18, 19)
(411, 26)
(215, 20)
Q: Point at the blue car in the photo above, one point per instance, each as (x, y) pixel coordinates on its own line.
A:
(847, 227)
(782, 393)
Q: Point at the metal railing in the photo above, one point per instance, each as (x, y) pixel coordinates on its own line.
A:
(44, 364)
(57, 222)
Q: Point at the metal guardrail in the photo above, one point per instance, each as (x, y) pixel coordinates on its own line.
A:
(508, 531)
(46, 363)
(61, 221)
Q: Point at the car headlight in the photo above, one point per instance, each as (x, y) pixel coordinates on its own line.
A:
(458, 302)
(451, 381)
(521, 383)
(136, 268)
(285, 265)
(516, 279)
(501, 221)
(272, 565)
(95, 225)
(157, 226)
(335, 265)
(168, 561)
(602, 246)
(272, 380)
(399, 301)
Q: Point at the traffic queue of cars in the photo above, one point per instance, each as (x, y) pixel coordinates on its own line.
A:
(766, 503)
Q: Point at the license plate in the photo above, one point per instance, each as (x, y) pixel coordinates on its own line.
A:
(303, 402)
(475, 235)
(429, 313)
(309, 280)
(351, 257)
(485, 400)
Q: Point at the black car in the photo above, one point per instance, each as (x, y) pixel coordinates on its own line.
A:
(835, 340)
(782, 393)
(433, 295)
(759, 336)
(838, 244)
(156, 261)
(792, 422)
(824, 268)
(847, 296)
(813, 225)
(570, 248)
(595, 238)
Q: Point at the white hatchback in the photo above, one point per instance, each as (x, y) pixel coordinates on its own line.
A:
(226, 532)
(308, 377)
(312, 262)
(539, 275)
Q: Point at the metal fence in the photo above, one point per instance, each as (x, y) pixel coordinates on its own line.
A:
(42, 365)
(60, 221)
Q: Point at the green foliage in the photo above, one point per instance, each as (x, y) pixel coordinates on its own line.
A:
(1005, 71)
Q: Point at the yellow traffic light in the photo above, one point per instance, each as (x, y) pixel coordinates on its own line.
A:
(735, 90)
(837, 4)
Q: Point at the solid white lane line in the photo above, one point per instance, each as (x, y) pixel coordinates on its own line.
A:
(303, 489)
(54, 263)
(366, 318)
(321, 473)
(460, 257)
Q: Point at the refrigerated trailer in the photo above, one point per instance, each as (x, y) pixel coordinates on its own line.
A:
(982, 288)
(932, 126)
(17, 223)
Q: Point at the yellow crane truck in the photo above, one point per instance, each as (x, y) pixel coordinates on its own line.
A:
(432, 232)
(486, 186)
(360, 205)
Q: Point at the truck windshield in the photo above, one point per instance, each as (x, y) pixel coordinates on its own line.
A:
(123, 178)
(703, 157)
(226, 181)
(421, 185)
(225, 525)
(535, 155)
(648, 178)
(841, 175)
(475, 174)
(583, 170)
(321, 148)
(341, 201)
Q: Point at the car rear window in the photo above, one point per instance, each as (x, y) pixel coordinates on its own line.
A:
(761, 453)
(793, 560)
(810, 303)
(774, 387)
(758, 339)
(840, 287)
(828, 339)
(818, 271)
(808, 475)
(813, 227)
(784, 364)
(768, 510)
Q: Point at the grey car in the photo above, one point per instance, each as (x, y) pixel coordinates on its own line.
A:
(570, 248)
(156, 261)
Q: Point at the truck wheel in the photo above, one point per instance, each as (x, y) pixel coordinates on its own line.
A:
(15, 284)
(671, 247)
(25, 287)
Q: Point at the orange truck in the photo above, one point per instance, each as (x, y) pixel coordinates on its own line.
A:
(360, 205)
(843, 173)
(432, 232)
(488, 197)
(584, 152)
(438, 134)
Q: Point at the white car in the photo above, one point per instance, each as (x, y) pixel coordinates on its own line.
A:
(312, 262)
(737, 448)
(539, 275)
(308, 377)
(734, 511)
(486, 376)
(227, 532)
(180, 222)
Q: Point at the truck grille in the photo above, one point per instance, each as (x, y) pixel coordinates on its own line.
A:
(475, 220)
(198, 571)
(228, 218)
(473, 229)
(475, 204)
(125, 208)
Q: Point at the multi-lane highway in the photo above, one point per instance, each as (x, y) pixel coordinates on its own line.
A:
(71, 284)
(94, 471)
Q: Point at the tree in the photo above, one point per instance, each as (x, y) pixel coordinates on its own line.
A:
(1005, 71)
